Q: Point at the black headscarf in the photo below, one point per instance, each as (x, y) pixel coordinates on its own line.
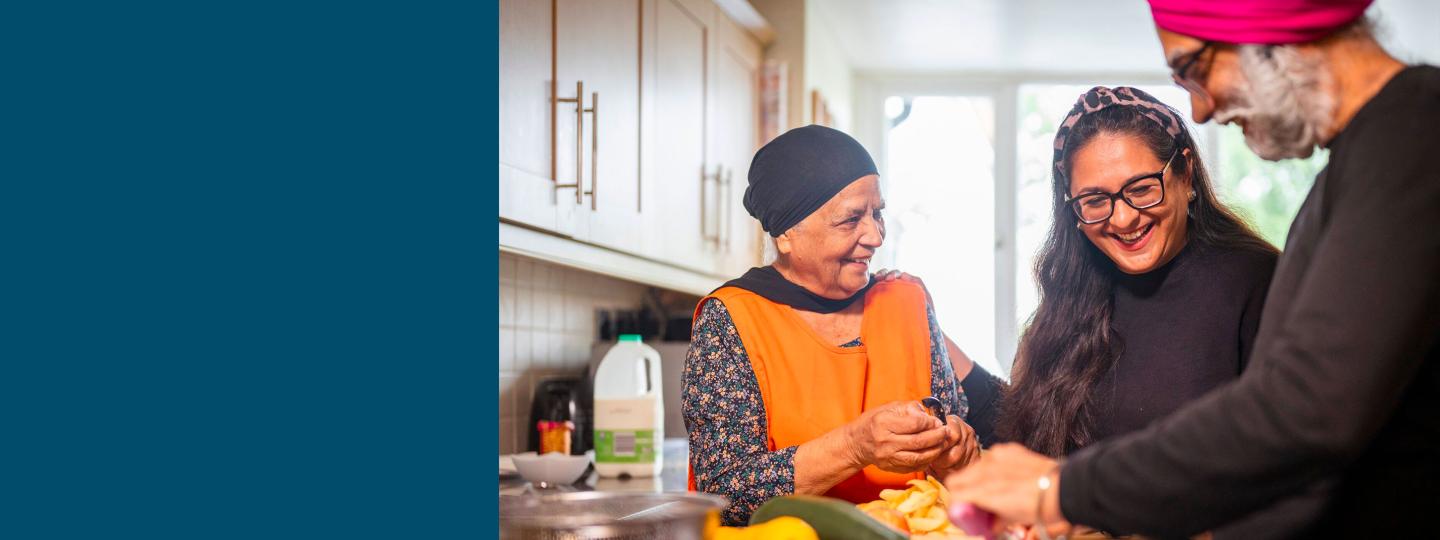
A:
(790, 178)
(798, 172)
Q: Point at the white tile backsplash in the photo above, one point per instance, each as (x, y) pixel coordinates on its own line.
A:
(541, 276)
(524, 268)
(540, 308)
(507, 349)
(558, 277)
(522, 350)
(507, 269)
(507, 395)
(579, 314)
(556, 350)
(507, 436)
(524, 304)
(539, 349)
(547, 326)
(507, 304)
(579, 282)
(557, 311)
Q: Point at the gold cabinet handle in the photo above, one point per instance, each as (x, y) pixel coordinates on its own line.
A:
(719, 206)
(555, 101)
(704, 177)
(594, 111)
(725, 217)
(705, 203)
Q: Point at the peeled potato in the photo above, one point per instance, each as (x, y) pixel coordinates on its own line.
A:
(917, 500)
(919, 510)
(932, 521)
(940, 488)
(922, 485)
(893, 496)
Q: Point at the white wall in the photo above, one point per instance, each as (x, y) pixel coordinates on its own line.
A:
(827, 69)
(787, 18)
(1409, 29)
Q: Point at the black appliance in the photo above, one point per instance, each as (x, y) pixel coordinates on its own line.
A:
(563, 399)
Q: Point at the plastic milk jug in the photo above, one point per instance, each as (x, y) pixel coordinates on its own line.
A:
(629, 411)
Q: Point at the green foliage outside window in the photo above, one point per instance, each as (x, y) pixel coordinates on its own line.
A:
(1266, 193)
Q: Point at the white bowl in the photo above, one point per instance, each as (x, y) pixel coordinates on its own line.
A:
(551, 469)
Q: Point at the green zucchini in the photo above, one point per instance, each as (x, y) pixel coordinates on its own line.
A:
(832, 519)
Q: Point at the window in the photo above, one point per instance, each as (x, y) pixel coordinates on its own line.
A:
(969, 210)
(1266, 193)
(940, 209)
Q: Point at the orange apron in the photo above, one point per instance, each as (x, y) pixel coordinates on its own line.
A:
(810, 387)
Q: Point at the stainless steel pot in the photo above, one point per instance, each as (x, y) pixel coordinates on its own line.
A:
(597, 515)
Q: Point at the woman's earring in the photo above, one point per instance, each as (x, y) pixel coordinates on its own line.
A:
(1079, 224)
(1192, 194)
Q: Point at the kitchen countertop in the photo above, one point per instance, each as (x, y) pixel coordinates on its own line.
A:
(668, 480)
(674, 476)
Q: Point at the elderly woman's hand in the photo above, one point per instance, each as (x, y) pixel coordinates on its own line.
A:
(898, 437)
(962, 448)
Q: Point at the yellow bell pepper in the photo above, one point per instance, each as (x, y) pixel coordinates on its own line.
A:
(781, 528)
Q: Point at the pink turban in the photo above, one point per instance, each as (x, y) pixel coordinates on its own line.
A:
(1267, 22)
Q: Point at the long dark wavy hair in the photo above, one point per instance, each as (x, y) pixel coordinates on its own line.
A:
(1069, 344)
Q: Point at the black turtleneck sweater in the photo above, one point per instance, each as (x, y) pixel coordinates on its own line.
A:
(1184, 328)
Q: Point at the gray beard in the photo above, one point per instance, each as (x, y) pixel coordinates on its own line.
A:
(1284, 98)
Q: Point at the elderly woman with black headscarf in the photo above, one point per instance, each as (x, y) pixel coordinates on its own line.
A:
(804, 376)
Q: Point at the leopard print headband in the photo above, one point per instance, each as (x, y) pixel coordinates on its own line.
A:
(1099, 98)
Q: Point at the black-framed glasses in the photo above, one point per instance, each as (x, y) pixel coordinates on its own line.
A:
(1141, 193)
(1181, 72)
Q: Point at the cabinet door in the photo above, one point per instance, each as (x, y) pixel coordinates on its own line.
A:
(527, 188)
(676, 228)
(735, 135)
(598, 46)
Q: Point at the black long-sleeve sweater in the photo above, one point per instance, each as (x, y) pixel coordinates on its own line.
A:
(1185, 329)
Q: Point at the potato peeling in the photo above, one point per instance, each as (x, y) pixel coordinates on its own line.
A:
(918, 511)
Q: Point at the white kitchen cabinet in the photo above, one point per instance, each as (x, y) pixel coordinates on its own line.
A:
(527, 188)
(597, 54)
(678, 229)
(735, 128)
(705, 118)
(655, 109)
(571, 165)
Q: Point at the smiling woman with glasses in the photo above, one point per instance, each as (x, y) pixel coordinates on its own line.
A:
(1143, 192)
(1151, 290)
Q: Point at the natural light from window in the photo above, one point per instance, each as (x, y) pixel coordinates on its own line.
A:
(940, 216)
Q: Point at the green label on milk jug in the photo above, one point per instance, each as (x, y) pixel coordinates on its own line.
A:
(624, 446)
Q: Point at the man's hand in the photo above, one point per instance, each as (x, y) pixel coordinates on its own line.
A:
(1005, 482)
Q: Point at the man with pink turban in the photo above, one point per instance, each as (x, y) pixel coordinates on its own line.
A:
(1334, 428)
